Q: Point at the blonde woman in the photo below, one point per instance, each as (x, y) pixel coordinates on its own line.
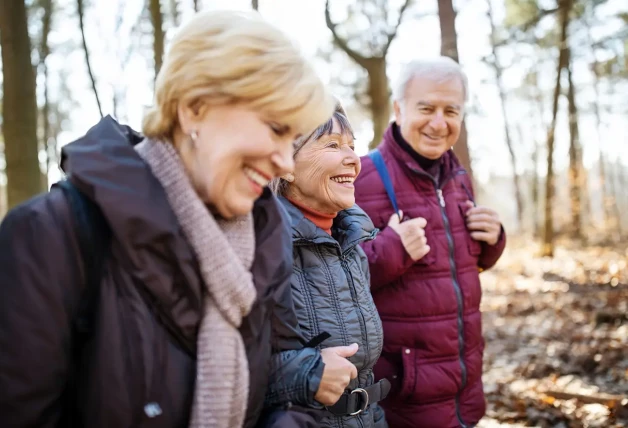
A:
(191, 261)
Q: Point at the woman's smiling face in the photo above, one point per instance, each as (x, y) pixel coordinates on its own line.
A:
(325, 169)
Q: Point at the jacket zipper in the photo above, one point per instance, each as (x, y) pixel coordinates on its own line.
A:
(345, 267)
(354, 295)
(454, 278)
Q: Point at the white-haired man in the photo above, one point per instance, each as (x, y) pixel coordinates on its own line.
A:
(425, 263)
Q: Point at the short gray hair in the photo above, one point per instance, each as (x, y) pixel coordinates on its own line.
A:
(440, 69)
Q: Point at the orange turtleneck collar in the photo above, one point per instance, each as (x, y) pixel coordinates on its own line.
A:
(320, 220)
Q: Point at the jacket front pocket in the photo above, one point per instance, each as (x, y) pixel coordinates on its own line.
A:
(408, 381)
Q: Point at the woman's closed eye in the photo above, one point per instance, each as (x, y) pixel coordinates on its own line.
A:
(278, 129)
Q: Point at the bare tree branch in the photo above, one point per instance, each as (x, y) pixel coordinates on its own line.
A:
(340, 42)
(505, 114)
(526, 26)
(618, 35)
(79, 4)
(393, 33)
(43, 55)
(158, 33)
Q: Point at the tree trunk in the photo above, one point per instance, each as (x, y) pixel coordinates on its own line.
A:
(548, 233)
(19, 105)
(45, 113)
(614, 190)
(79, 4)
(606, 203)
(449, 39)
(158, 33)
(614, 182)
(540, 115)
(375, 66)
(449, 47)
(622, 181)
(576, 184)
(195, 5)
(502, 95)
(255, 4)
(535, 192)
(379, 94)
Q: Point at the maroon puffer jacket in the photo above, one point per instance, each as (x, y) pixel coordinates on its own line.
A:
(430, 309)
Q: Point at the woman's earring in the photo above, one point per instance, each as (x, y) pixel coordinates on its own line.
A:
(194, 136)
(289, 177)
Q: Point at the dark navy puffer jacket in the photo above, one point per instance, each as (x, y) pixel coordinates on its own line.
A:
(141, 353)
(331, 293)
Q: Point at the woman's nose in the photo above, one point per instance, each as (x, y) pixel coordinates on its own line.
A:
(351, 157)
(283, 161)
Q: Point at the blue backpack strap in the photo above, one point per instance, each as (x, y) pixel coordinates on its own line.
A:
(378, 161)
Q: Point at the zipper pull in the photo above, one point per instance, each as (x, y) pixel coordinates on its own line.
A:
(441, 199)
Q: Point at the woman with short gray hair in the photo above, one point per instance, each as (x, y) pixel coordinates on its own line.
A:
(330, 281)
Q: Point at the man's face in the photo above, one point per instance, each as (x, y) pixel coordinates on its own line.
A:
(430, 116)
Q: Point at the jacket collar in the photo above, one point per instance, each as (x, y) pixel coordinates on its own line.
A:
(351, 227)
(450, 165)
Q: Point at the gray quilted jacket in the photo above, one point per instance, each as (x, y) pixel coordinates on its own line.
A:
(331, 293)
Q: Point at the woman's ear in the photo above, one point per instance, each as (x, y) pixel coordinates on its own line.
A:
(190, 116)
(289, 177)
(186, 118)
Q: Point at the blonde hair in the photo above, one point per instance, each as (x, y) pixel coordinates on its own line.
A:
(228, 57)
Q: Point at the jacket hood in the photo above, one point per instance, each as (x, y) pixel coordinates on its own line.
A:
(147, 237)
(104, 165)
(351, 227)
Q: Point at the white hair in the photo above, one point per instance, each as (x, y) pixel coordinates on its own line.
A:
(439, 69)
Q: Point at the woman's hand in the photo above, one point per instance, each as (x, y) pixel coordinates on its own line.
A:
(337, 373)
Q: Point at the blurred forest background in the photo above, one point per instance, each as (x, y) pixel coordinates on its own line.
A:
(546, 140)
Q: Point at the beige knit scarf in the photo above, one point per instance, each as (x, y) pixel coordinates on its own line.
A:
(225, 251)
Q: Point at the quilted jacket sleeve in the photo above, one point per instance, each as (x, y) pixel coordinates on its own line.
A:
(491, 253)
(295, 377)
(296, 371)
(388, 259)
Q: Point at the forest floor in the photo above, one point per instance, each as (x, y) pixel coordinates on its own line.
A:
(556, 335)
